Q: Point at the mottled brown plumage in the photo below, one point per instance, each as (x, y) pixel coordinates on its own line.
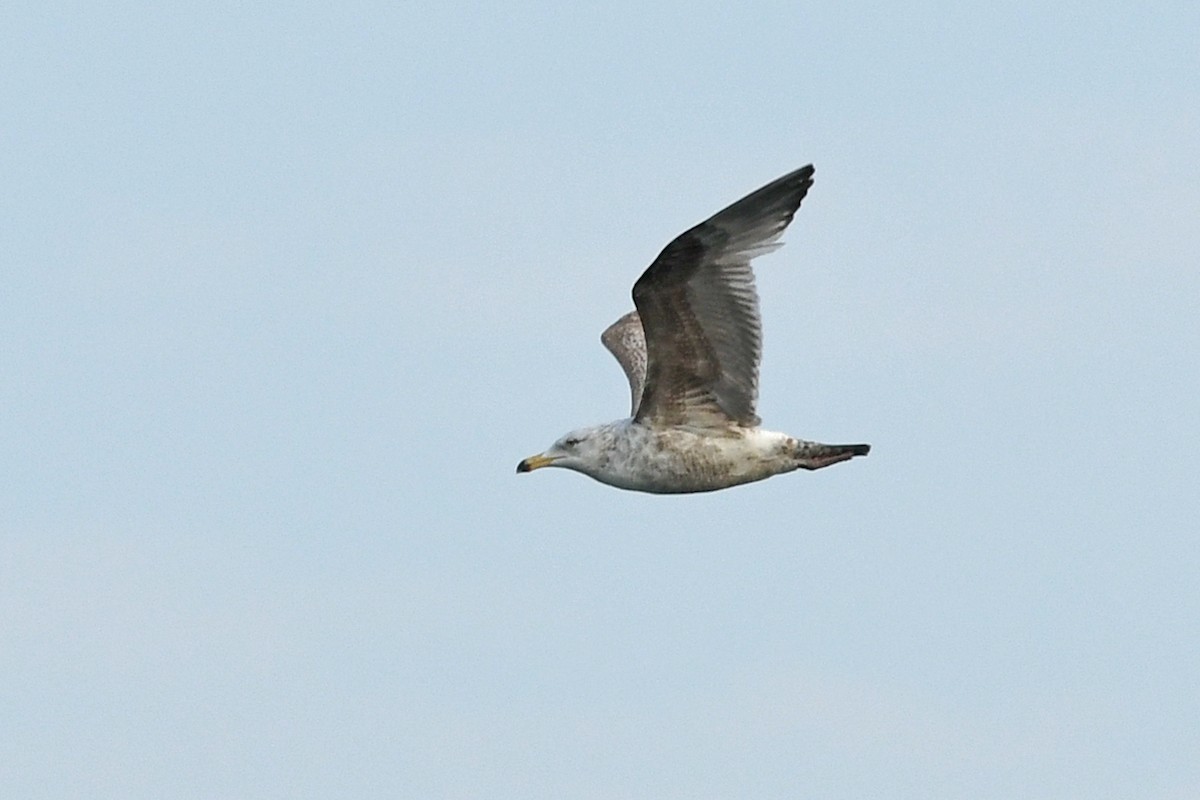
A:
(626, 341)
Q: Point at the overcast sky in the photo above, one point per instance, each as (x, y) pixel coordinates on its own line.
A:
(289, 289)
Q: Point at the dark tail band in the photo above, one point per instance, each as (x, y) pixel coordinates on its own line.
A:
(813, 455)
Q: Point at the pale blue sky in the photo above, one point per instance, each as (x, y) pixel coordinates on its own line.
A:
(289, 291)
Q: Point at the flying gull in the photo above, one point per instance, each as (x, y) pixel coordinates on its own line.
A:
(691, 352)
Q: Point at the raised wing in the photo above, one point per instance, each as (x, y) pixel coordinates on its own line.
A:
(699, 311)
(625, 340)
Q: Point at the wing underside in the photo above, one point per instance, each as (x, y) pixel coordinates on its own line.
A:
(698, 311)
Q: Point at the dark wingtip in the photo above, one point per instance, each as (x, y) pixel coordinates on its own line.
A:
(859, 449)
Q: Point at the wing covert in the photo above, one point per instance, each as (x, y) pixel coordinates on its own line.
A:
(626, 341)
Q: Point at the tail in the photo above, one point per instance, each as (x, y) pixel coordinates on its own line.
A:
(814, 455)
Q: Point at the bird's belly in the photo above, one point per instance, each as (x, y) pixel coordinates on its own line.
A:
(680, 461)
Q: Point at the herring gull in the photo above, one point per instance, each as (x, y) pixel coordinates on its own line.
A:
(691, 351)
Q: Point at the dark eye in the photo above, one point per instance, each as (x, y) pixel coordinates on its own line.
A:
(570, 441)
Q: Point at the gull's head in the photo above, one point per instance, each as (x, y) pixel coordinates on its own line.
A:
(578, 450)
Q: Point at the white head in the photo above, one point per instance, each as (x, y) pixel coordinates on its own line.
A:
(582, 450)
